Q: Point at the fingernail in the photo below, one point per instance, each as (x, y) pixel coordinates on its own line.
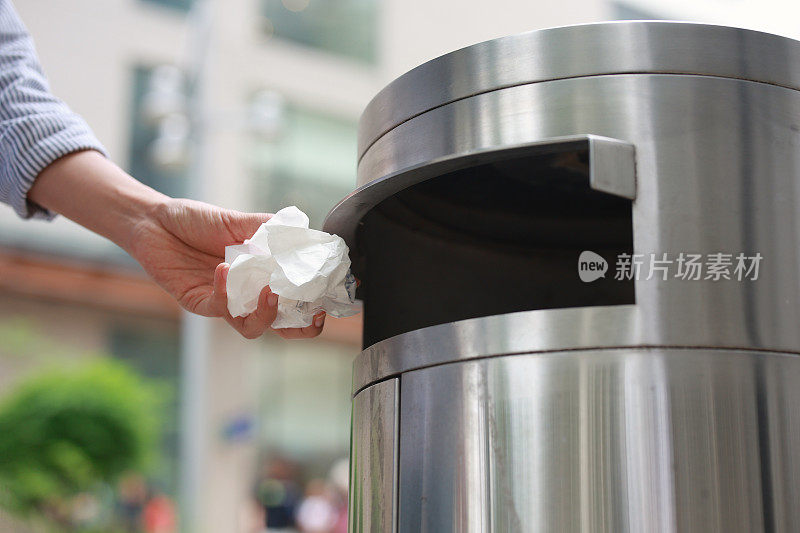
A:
(272, 299)
(319, 320)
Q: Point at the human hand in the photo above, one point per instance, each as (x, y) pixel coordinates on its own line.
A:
(181, 245)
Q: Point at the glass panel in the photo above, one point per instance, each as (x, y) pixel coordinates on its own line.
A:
(304, 431)
(183, 5)
(310, 163)
(144, 132)
(305, 403)
(344, 27)
(626, 12)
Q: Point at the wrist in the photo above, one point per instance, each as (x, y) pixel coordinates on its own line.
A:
(143, 208)
(94, 192)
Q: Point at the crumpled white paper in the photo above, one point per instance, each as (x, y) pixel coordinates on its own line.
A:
(308, 269)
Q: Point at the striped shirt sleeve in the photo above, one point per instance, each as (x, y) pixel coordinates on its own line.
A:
(36, 128)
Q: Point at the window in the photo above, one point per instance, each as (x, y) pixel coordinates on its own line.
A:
(183, 5)
(625, 12)
(304, 425)
(772, 16)
(142, 163)
(305, 400)
(309, 162)
(344, 27)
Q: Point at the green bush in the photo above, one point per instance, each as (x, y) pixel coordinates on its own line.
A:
(67, 430)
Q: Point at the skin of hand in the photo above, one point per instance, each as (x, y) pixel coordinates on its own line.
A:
(179, 243)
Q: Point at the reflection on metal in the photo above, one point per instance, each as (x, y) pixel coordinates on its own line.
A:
(529, 400)
(373, 458)
(612, 166)
(630, 47)
(528, 331)
(602, 440)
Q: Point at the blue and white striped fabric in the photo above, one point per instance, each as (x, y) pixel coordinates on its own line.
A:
(36, 128)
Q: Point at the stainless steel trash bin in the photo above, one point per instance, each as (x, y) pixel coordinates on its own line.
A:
(498, 389)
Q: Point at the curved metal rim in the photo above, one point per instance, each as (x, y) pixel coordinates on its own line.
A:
(538, 331)
(345, 216)
(582, 50)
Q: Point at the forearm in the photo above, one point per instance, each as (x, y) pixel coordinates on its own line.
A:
(94, 192)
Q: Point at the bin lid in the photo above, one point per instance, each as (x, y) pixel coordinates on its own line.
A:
(624, 47)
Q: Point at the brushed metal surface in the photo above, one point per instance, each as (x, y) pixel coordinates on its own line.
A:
(373, 459)
(681, 126)
(717, 163)
(513, 333)
(606, 440)
(582, 50)
(678, 413)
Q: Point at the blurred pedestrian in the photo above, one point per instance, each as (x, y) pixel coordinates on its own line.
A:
(339, 478)
(132, 491)
(278, 492)
(159, 514)
(317, 512)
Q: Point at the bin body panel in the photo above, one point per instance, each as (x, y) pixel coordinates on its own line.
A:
(717, 170)
(603, 440)
(373, 458)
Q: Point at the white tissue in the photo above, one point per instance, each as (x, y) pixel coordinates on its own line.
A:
(308, 269)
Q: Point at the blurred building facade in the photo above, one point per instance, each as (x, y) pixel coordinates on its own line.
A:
(283, 85)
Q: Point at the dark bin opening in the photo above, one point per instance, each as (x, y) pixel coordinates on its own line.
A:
(494, 238)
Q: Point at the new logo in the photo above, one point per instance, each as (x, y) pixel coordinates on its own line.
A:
(591, 266)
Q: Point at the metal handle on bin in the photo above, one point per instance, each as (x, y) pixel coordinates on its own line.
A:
(612, 166)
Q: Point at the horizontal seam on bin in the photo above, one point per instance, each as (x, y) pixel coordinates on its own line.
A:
(520, 84)
(397, 373)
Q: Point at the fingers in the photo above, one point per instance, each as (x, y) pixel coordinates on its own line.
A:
(307, 332)
(256, 323)
(243, 225)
